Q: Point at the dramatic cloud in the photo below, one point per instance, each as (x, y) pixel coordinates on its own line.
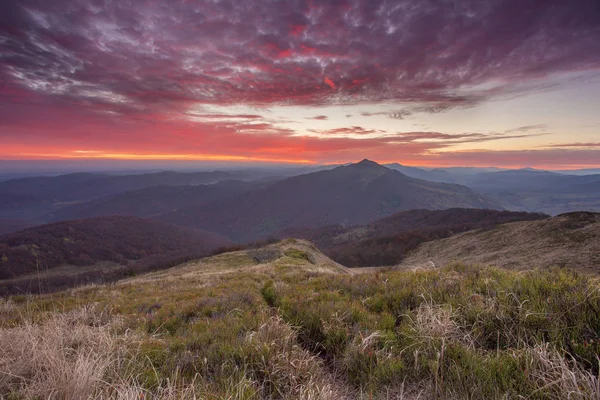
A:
(139, 76)
(132, 55)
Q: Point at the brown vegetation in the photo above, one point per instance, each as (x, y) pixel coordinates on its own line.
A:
(568, 240)
(302, 327)
(132, 245)
(387, 241)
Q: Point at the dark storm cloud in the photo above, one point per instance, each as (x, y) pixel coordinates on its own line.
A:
(136, 56)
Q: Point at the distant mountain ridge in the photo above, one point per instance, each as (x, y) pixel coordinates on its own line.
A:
(525, 189)
(238, 208)
(83, 186)
(352, 194)
(47, 199)
(541, 191)
(153, 200)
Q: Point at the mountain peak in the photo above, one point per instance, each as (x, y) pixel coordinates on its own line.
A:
(368, 163)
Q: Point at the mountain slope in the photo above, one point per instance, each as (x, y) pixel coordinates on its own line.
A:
(524, 189)
(388, 240)
(353, 194)
(529, 180)
(83, 186)
(153, 200)
(458, 175)
(120, 240)
(428, 175)
(38, 198)
(300, 256)
(540, 191)
(571, 240)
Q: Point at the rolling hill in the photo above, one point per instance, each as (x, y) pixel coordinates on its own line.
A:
(571, 240)
(39, 198)
(97, 249)
(428, 175)
(154, 200)
(388, 240)
(82, 186)
(346, 195)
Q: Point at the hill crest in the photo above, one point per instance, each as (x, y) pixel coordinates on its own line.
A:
(567, 240)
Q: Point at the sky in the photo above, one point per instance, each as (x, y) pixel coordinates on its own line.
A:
(506, 83)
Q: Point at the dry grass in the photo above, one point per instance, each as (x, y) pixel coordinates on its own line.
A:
(65, 357)
(434, 326)
(571, 240)
(7, 308)
(85, 354)
(302, 328)
(438, 322)
(288, 368)
(558, 378)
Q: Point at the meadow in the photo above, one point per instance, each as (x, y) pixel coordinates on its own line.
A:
(286, 322)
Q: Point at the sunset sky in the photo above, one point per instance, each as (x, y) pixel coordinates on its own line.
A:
(508, 83)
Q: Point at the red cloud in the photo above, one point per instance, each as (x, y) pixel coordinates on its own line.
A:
(68, 86)
(232, 52)
(330, 83)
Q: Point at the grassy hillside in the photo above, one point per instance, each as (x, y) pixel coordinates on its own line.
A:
(95, 249)
(571, 240)
(285, 322)
(388, 240)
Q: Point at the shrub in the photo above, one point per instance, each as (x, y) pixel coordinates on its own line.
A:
(264, 255)
(300, 255)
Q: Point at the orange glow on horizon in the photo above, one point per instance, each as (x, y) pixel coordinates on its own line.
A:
(95, 154)
(298, 155)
